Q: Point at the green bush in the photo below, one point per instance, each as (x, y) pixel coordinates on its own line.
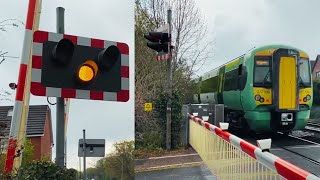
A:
(152, 140)
(160, 108)
(46, 170)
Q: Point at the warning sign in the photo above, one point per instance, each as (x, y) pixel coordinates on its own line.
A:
(148, 107)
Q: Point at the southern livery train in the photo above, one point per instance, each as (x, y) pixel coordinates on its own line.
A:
(268, 89)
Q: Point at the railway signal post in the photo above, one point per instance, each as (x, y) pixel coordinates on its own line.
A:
(60, 109)
(169, 87)
(160, 41)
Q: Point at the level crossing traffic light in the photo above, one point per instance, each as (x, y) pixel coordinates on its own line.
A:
(78, 67)
(158, 41)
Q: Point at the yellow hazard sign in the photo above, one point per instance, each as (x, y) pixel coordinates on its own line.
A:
(147, 106)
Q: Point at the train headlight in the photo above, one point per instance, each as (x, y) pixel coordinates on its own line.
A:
(257, 97)
(305, 99)
(261, 100)
(308, 97)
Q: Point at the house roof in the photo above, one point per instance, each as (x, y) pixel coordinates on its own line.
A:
(315, 62)
(36, 119)
(312, 63)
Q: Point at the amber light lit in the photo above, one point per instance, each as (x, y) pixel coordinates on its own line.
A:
(87, 71)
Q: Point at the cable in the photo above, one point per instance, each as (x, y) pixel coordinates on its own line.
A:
(50, 102)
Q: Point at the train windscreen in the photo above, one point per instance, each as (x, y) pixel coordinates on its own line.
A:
(304, 72)
(262, 73)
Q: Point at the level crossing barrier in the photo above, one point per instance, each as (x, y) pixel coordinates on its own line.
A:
(230, 157)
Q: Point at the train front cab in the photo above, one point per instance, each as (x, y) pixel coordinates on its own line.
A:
(282, 90)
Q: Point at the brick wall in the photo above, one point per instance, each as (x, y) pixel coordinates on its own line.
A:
(36, 142)
(46, 149)
(42, 144)
(315, 70)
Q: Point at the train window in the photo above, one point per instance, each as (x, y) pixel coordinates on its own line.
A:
(242, 78)
(209, 85)
(304, 72)
(231, 80)
(262, 71)
(240, 70)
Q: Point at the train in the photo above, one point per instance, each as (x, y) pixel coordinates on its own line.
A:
(266, 90)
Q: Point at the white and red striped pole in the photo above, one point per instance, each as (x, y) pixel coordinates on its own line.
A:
(18, 110)
(282, 167)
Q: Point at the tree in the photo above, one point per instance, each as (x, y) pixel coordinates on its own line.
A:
(92, 173)
(192, 48)
(189, 31)
(3, 141)
(149, 78)
(4, 24)
(5, 95)
(118, 164)
(28, 153)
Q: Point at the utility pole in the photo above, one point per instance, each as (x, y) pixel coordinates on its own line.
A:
(60, 129)
(84, 155)
(169, 84)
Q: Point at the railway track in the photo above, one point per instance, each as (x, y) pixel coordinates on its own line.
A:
(306, 144)
(301, 148)
(299, 151)
(313, 127)
(316, 124)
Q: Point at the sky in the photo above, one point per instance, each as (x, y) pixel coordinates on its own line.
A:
(235, 25)
(239, 25)
(111, 20)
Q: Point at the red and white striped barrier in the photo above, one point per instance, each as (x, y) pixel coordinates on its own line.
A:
(282, 167)
(18, 104)
(162, 56)
(37, 89)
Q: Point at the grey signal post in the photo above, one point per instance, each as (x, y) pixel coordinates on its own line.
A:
(84, 155)
(169, 84)
(60, 129)
(90, 148)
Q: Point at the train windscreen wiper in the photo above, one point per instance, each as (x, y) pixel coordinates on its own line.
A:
(301, 82)
(266, 77)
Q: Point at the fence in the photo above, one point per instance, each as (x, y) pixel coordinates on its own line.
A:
(230, 157)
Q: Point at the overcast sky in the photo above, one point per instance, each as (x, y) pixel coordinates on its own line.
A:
(236, 26)
(239, 25)
(109, 20)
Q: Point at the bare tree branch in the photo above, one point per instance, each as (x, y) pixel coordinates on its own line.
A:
(4, 24)
(192, 49)
(6, 95)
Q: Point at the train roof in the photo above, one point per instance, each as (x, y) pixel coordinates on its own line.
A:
(273, 46)
(251, 52)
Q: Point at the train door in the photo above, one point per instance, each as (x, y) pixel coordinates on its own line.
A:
(221, 85)
(285, 88)
(285, 79)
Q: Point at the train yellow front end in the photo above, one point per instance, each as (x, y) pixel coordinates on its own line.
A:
(282, 90)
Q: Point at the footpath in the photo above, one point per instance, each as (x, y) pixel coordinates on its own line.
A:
(188, 158)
